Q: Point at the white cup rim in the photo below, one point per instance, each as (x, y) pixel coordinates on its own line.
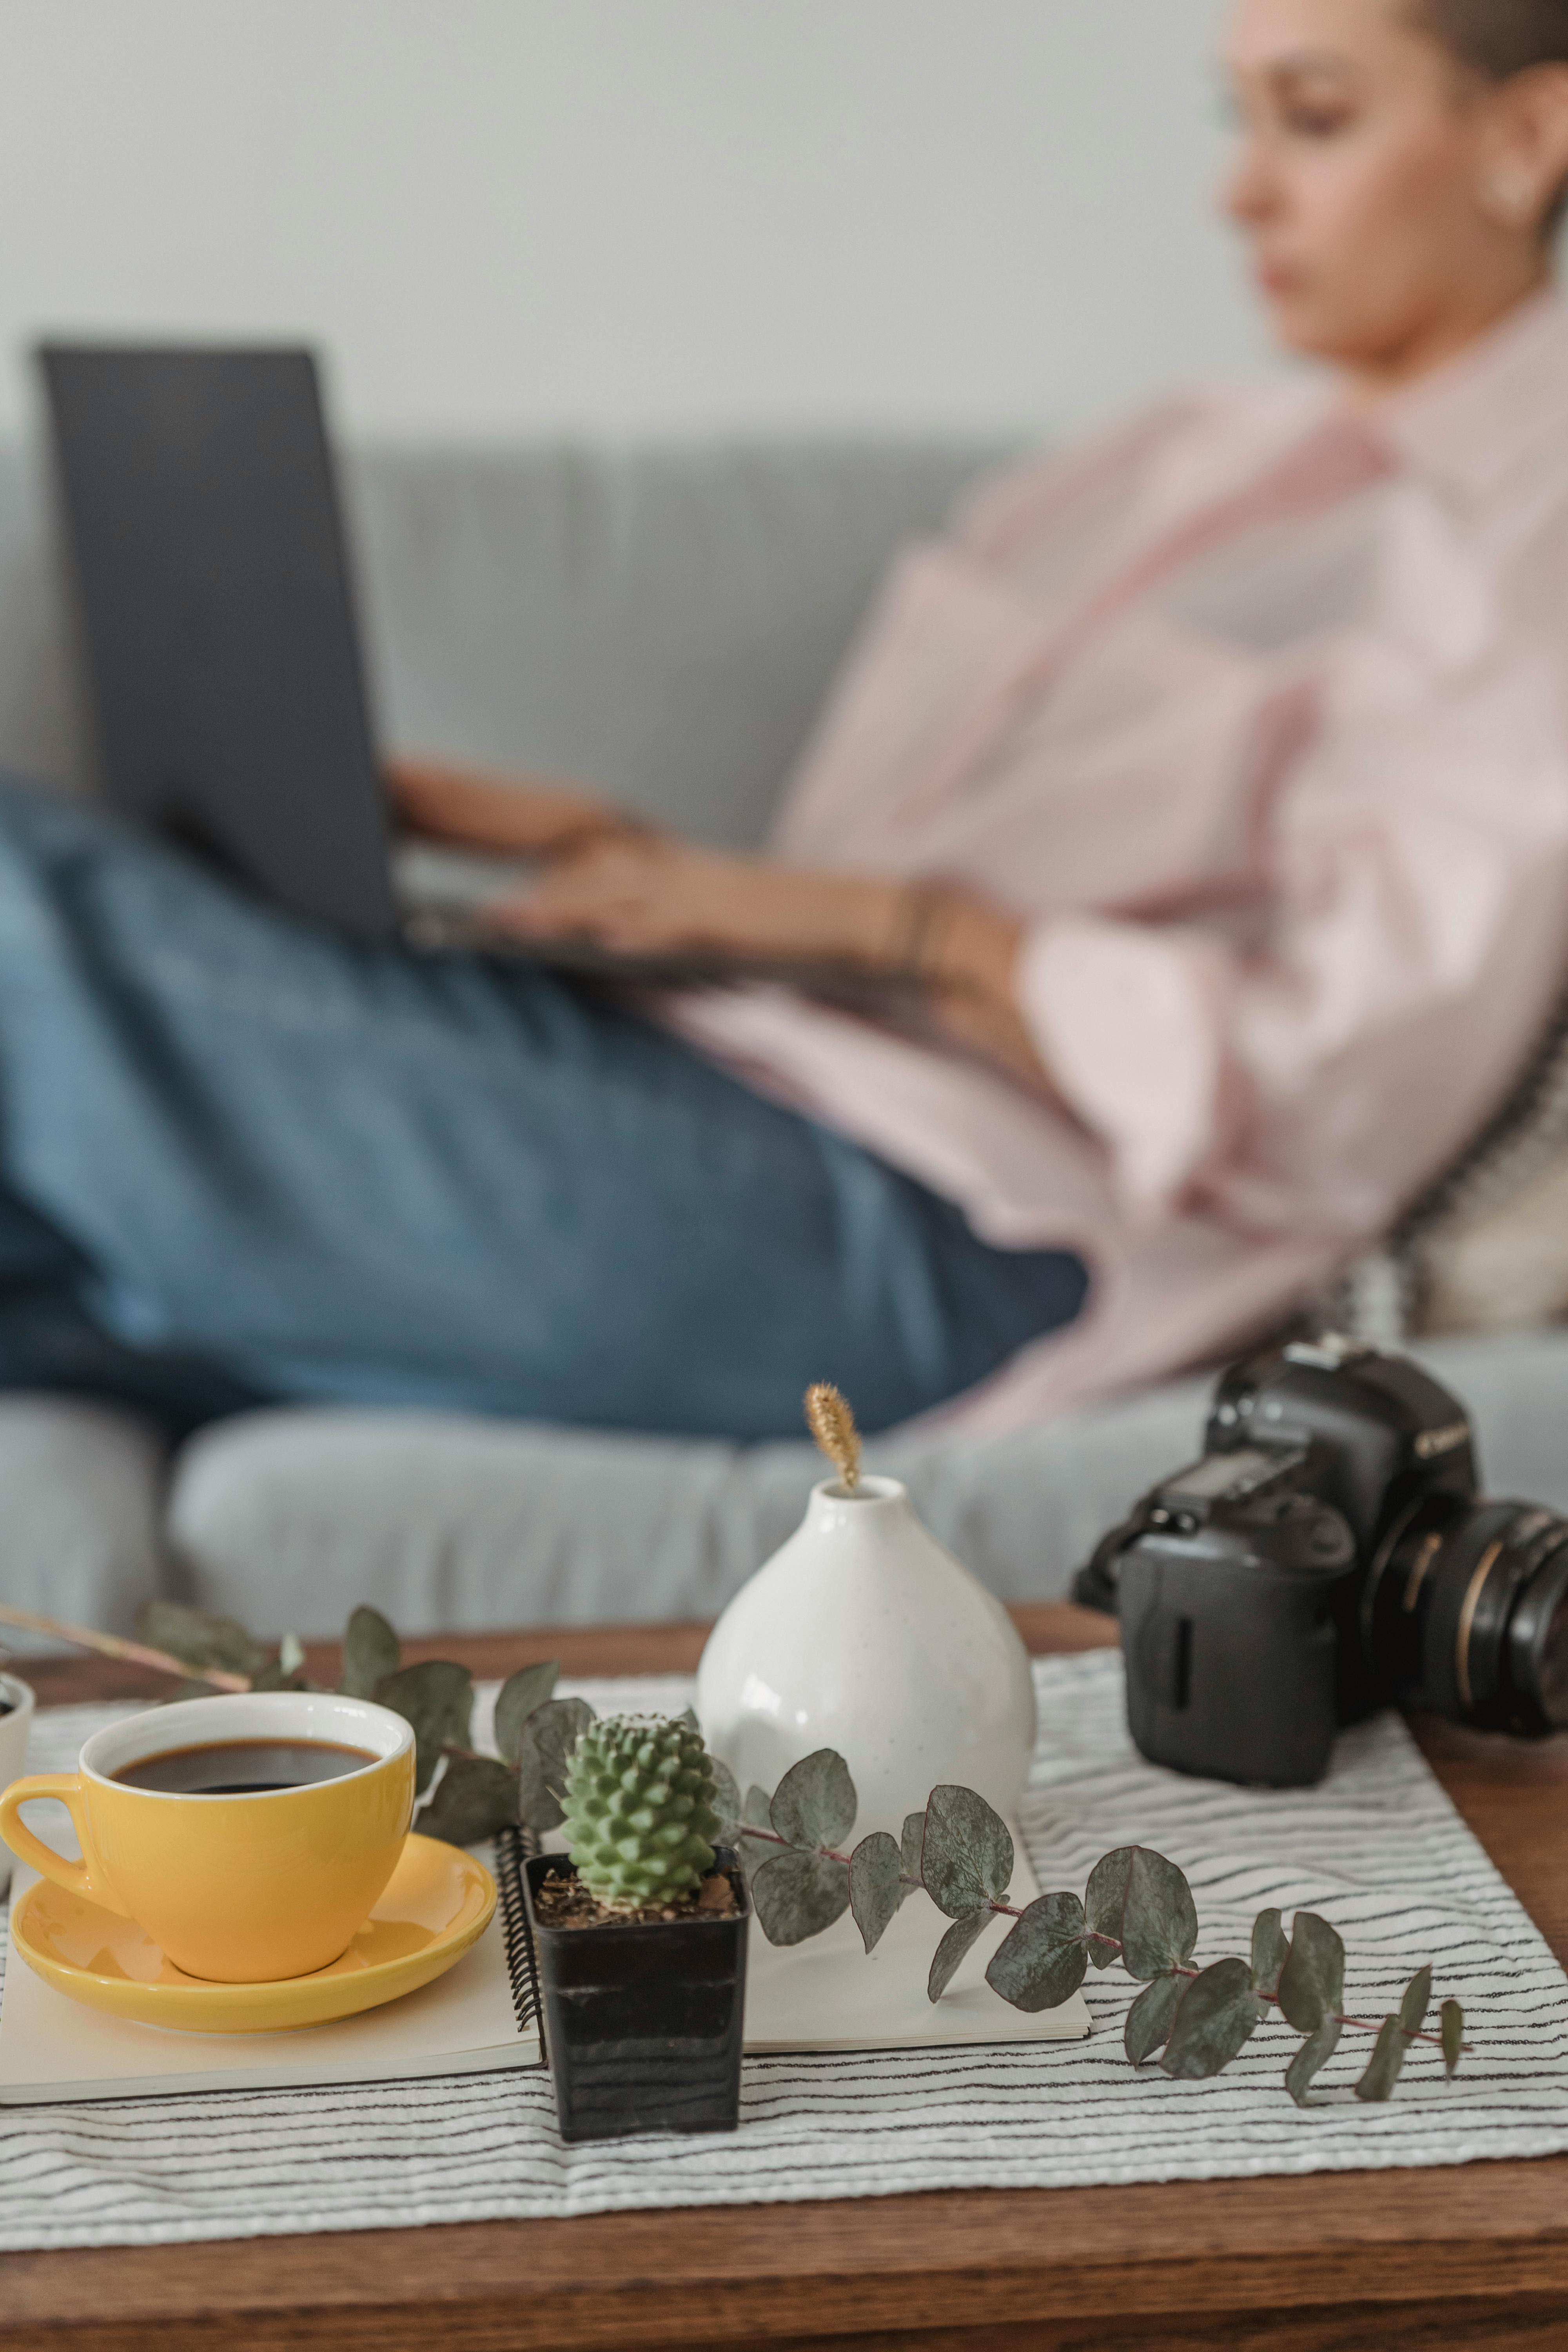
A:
(242, 1716)
(17, 1695)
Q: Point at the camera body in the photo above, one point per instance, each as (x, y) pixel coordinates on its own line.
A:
(1270, 1592)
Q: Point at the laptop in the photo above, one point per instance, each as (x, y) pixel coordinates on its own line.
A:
(223, 659)
(216, 623)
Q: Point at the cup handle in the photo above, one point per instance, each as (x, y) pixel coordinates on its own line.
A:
(76, 1877)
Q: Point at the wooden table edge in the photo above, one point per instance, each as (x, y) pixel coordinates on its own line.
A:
(1408, 2244)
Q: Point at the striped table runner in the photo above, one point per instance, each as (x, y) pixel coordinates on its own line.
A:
(1378, 1849)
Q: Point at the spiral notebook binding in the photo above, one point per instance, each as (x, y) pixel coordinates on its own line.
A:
(513, 1847)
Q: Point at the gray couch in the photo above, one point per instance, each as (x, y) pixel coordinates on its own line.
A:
(665, 622)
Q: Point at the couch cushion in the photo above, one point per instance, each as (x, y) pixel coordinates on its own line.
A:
(81, 1534)
(287, 1519)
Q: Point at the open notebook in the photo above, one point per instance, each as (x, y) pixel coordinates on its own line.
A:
(484, 2015)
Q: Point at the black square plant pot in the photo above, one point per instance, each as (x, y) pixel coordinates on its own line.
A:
(643, 2024)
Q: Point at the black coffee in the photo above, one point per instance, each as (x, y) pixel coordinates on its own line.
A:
(244, 1767)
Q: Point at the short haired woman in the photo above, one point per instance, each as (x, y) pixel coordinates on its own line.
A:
(1201, 804)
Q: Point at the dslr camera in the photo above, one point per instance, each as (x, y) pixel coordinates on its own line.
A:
(1331, 1554)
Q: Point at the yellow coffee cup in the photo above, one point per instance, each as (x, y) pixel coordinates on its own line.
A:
(245, 1888)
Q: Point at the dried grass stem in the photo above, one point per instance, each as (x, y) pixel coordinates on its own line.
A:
(832, 1423)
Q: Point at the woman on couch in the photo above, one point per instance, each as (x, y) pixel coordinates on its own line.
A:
(1193, 823)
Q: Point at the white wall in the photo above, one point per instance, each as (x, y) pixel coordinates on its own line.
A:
(633, 216)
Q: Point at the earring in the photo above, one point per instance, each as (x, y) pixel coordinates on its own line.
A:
(1511, 195)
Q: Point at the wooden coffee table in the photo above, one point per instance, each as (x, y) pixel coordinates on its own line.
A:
(1443, 2259)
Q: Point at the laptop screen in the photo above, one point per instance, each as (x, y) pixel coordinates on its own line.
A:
(216, 618)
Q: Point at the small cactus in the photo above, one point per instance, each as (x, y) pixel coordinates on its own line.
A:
(639, 1816)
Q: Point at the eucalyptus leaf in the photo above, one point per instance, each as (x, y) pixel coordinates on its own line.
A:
(726, 1802)
(1312, 1981)
(438, 1699)
(1383, 2071)
(1104, 1903)
(814, 1804)
(1149, 2019)
(951, 1951)
(1269, 1949)
(966, 1853)
(1159, 1917)
(198, 1639)
(875, 1887)
(1417, 2000)
(797, 1894)
(518, 1699)
(1218, 2015)
(1311, 2058)
(372, 1651)
(544, 1749)
(473, 1798)
(1041, 1961)
(909, 1845)
(1453, 2036)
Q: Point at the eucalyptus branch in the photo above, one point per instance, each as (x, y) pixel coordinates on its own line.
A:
(1110, 1944)
(1138, 1909)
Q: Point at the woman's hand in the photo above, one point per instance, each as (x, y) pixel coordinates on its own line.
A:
(652, 896)
(535, 816)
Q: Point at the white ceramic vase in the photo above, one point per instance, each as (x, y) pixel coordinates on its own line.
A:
(863, 1634)
(14, 1727)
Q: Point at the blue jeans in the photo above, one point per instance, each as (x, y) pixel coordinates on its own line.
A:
(242, 1161)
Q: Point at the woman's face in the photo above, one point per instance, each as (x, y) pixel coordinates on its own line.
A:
(1367, 181)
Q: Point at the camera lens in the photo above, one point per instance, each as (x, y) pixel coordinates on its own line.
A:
(1466, 1613)
(1538, 1644)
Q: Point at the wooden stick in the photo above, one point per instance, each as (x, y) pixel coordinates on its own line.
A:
(134, 1654)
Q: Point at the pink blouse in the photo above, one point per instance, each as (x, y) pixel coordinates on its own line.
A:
(1255, 712)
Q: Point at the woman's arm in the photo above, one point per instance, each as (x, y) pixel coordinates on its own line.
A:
(651, 896)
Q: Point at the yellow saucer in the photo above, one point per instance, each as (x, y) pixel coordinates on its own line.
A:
(438, 1903)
